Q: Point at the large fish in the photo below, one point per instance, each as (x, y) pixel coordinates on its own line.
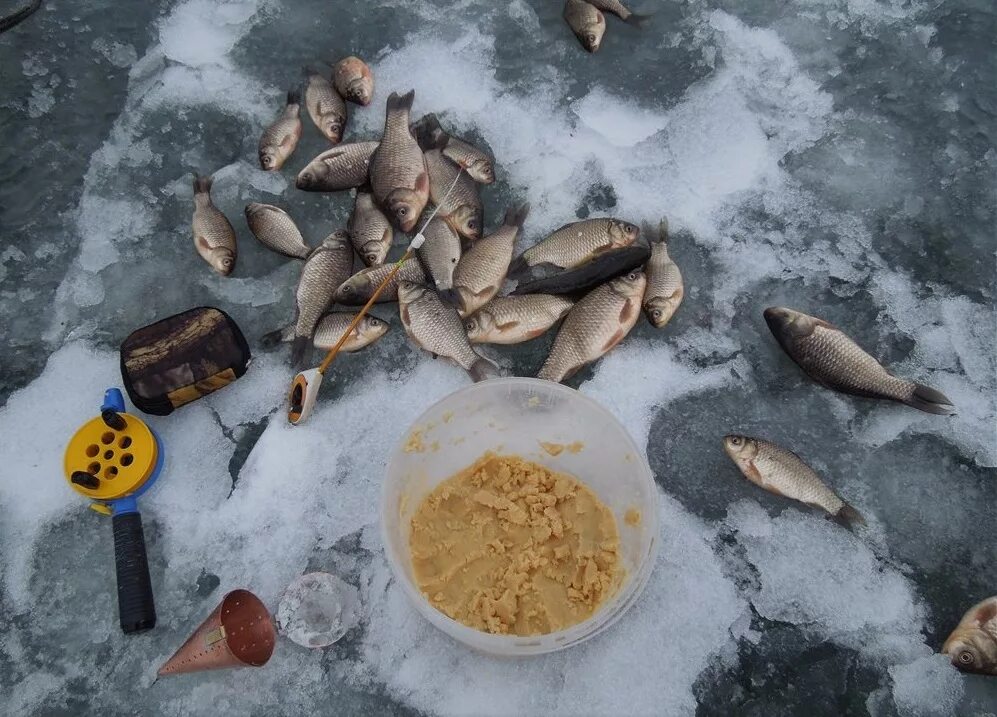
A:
(435, 327)
(481, 270)
(353, 80)
(398, 173)
(358, 289)
(325, 269)
(326, 108)
(339, 168)
(439, 255)
(274, 229)
(462, 207)
(586, 22)
(594, 326)
(576, 243)
(833, 360)
(370, 231)
(281, 137)
(972, 646)
(330, 329)
(664, 280)
(431, 135)
(784, 473)
(514, 319)
(214, 237)
(549, 279)
(620, 10)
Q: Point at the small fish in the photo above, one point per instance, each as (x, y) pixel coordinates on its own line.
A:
(339, 168)
(330, 329)
(784, 473)
(594, 326)
(621, 11)
(550, 279)
(585, 20)
(325, 269)
(370, 231)
(431, 135)
(439, 255)
(326, 108)
(576, 243)
(481, 270)
(214, 237)
(353, 80)
(515, 319)
(280, 138)
(833, 360)
(398, 173)
(664, 280)
(274, 229)
(358, 289)
(434, 326)
(972, 646)
(462, 208)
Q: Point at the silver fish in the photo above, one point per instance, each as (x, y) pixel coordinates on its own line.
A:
(339, 168)
(330, 329)
(434, 326)
(481, 270)
(784, 473)
(833, 360)
(514, 319)
(972, 646)
(358, 289)
(594, 326)
(398, 173)
(214, 237)
(274, 229)
(620, 10)
(431, 135)
(370, 231)
(326, 108)
(664, 280)
(439, 255)
(281, 137)
(586, 22)
(354, 80)
(576, 243)
(462, 207)
(325, 269)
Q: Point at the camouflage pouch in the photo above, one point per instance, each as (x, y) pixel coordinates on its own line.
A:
(177, 360)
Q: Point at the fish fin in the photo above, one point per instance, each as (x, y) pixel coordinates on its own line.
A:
(400, 102)
(483, 369)
(636, 20)
(848, 517)
(754, 475)
(272, 339)
(202, 184)
(630, 308)
(294, 96)
(515, 216)
(518, 266)
(655, 234)
(826, 324)
(507, 325)
(616, 338)
(404, 315)
(927, 399)
(299, 350)
(604, 248)
(202, 243)
(422, 183)
(535, 333)
(288, 140)
(986, 613)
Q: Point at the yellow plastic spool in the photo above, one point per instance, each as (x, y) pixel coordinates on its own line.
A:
(122, 460)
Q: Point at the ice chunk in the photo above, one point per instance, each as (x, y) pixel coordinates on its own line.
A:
(927, 687)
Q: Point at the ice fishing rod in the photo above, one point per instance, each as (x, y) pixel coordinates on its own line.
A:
(304, 387)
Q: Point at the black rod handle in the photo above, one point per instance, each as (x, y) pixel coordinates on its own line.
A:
(136, 607)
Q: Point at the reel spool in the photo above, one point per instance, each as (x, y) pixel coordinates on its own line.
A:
(111, 460)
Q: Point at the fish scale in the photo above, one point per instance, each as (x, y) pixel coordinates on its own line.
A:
(477, 164)
(465, 193)
(370, 231)
(326, 108)
(327, 267)
(214, 237)
(280, 138)
(481, 270)
(440, 253)
(578, 242)
(275, 229)
(514, 319)
(358, 289)
(398, 174)
(343, 167)
(664, 282)
(586, 22)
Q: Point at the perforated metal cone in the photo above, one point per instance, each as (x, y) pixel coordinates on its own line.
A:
(238, 633)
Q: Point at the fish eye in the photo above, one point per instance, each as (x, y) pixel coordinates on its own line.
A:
(656, 313)
(966, 657)
(402, 211)
(347, 289)
(471, 325)
(453, 261)
(736, 441)
(590, 38)
(472, 225)
(632, 276)
(628, 228)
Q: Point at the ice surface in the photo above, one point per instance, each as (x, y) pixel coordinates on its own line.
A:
(828, 156)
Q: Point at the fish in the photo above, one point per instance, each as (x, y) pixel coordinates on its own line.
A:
(398, 173)
(833, 360)
(370, 231)
(18, 16)
(274, 229)
(434, 326)
(587, 22)
(439, 255)
(664, 280)
(339, 168)
(595, 325)
(549, 279)
(462, 207)
(281, 137)
(621, 11)
(576, 243)
(324, 271)
(480, 272)
(972, 646)
(430, 134)
(214, 237)
(515, 319)
(358, 289)
(782, 472)
(330, 329)
(353, 80)
(326, 108)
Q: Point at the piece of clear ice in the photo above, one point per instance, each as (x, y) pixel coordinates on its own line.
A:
(317, 609)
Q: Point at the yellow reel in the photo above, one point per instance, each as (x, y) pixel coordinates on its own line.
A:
(121, 460)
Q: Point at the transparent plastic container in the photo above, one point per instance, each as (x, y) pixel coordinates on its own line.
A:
(514, 416)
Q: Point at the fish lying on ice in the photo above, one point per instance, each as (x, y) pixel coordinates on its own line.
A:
(274, 229)
(515, 319)
(281, 137)
(972, 646)
(325, 269)
(353, 80)
(398, 175)
(664, 280)
(478, 164)
(439, 255)
(481, 270)
(337, 169)
(550, 279)
(586, 22)
(370, 231)
(214, 237)
(330, 329)
(326, 108)
(462, 207)
(575, 244)
(358, 289)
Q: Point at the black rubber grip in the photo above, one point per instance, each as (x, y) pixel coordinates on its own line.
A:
(136, 608)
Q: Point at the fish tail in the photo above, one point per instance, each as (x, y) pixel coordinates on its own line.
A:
(401, 102)
(663, 229)
(849, 517)
(272, 339)
(483, 369)
(637, 20)
(299, 351)
(294, 96)
(927, 399)
(518, 266)
(515, 216)
(309, 70)
(202, 184)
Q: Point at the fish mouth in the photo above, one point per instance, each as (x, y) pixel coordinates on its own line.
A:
(777, 317)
